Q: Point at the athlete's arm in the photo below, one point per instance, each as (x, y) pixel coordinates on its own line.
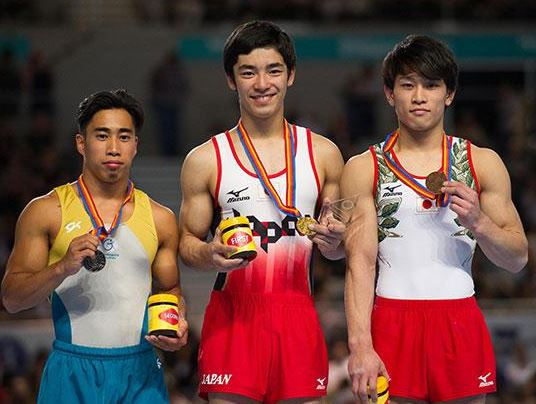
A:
(29, 279)
(165, 270)
(493, 219)
(329, 163)
(361, 244)
(198, 175)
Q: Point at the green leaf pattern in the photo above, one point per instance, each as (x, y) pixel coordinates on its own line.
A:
(461, 172)
(385, 208)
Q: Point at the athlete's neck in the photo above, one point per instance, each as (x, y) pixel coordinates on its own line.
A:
(105, 190)
(426, 141)
(264, 128)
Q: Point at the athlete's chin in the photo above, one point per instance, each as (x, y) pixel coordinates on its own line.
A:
(419, 126)
(112, 176)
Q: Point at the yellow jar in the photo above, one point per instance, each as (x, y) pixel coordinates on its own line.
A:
(163, 315)
(382, 390)
(235, 232)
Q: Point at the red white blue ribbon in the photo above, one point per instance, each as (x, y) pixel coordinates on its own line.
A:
(408, 179)
(289, 207)
(99, 229)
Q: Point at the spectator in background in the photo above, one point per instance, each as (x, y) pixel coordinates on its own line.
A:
(40, 84)
(169, 88)
(520, 375)
(10, 86)
(360, 94)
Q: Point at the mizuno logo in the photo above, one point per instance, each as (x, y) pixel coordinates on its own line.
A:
(484, 380)
(392, 189)
(321, 385)
(236, 194)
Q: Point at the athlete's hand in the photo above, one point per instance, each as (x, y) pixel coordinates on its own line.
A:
(464, 202)
(217, 255)
(329, 232)
(168, 343)
(364, 367)
(80, 247)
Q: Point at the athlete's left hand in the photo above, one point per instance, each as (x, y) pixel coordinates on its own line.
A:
(464, 202)
(329, 231)
(171, 344)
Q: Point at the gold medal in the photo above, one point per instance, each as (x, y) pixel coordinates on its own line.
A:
(302, 226)
(434, 181)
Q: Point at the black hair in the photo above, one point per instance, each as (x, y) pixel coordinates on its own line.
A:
(115, 99)
(257, 34)
(424, 55)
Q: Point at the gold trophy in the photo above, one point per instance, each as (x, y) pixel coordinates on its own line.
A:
(340, 210)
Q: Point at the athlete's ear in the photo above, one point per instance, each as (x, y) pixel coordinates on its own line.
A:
(389, 95)
(231, 82)
(450, 97)
(80, 144)
(291, 77)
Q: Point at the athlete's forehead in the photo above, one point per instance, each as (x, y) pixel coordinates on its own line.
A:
(260, 57)
(414, 77)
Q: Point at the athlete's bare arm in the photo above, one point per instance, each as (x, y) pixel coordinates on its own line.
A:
(29, 279)
(361, 244)
(493, 219)
(166, 272)
(198, 178)
(329, 163)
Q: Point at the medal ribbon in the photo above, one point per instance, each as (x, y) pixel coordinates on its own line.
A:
(408, 179)
(89, 205)
(290, 163)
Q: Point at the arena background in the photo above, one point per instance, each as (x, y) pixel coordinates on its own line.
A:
(168, 54)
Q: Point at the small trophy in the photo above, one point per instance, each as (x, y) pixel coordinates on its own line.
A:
(340, 210)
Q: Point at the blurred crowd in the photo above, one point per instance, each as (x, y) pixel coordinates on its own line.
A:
(325, 11)
(33, 162)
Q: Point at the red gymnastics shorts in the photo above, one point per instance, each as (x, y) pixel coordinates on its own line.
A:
(434, 350)
(265, 347)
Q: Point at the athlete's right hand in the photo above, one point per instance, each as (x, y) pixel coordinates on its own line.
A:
(217, 255)
(80, 247)
(364, 367)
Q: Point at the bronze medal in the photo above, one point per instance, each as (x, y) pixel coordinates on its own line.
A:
(434, 181)
(302, 226)
(95, 264)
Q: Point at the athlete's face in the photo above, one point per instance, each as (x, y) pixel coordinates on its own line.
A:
(261, 79)
(109, 145)
(419, 102)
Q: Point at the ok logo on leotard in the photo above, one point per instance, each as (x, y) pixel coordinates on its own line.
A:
(271, 232)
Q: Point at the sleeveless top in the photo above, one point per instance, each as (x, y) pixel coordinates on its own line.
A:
(282, 265)
(424, 252)
(105, 309)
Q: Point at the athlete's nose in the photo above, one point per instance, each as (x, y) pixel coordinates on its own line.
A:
(418, 95)
(113, 146)
(261, 81)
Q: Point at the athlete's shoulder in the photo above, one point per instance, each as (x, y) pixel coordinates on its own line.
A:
(359, 171)
(44, 204)
(488, 165)
(200, 161)
(362, 160)
(485, 155)
(324, 147)
(164, 218)
(43, 211)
